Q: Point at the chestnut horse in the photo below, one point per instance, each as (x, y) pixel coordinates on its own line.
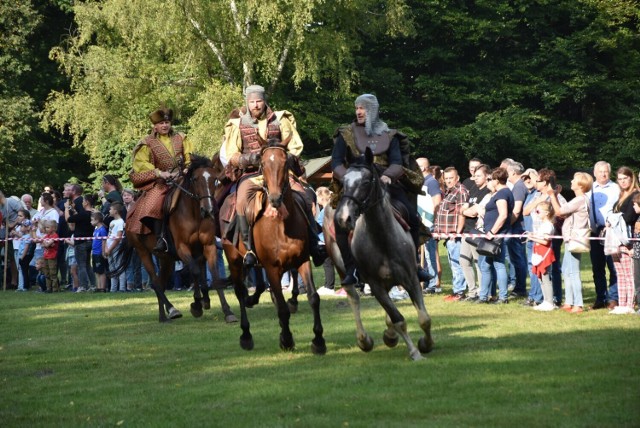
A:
(384, 253)
(280, 237)
(193, 227)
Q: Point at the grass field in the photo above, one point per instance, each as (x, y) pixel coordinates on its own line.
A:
(104, 360)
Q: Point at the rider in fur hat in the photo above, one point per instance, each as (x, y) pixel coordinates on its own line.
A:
(368, 130)
(156, 159)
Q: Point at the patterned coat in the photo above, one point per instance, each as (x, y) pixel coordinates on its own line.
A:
(151, 156)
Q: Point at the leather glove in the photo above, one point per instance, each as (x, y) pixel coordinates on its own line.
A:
(249, 159)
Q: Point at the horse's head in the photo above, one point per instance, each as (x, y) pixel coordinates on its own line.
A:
(275, 170)
(361, 186)
(201, 179)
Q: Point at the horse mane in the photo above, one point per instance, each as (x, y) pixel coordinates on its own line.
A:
(197, 161)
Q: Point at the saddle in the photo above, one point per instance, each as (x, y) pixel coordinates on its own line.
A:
(254, 212)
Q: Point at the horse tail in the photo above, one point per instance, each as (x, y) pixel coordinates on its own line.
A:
(123, 252)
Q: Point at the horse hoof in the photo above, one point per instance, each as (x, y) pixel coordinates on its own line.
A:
(174, 314)
(230, 319)
(318, 348)
(288, 344)
(366, 344)
(390, 341)
(293, 307)
(207, 304)
(251, 301)
(246, 343)
(196, 310)
(425, 346)
(416, 356)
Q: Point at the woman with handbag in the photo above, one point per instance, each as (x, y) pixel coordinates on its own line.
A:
(575, 233)
(623, 260)
(497, 213)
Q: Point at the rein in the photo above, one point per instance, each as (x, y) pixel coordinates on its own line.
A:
(195, 196)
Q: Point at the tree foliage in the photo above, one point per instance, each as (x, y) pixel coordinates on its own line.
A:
(128, 57)
(548, 82)
(28, 156)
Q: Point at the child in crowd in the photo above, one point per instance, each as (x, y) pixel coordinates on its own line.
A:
(70, 259)
(50, 244)
(543, 255)
(41, 278)
(116, 230)
(22, 232)
(98, 261)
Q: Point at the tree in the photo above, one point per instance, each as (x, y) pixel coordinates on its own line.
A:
(127, 57)
(550, 82)
(28, 156)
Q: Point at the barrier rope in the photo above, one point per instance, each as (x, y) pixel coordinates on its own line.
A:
(510, 235)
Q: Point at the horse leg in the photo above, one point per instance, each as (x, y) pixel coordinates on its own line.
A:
(211, 254)
(254, 299)
(147, 261)
(274, 275)
(318, 345)
(295, 292)
(235, 271)
(425, 344)
(365, 342)
(396, 324)
(196, 274)
(165, 271)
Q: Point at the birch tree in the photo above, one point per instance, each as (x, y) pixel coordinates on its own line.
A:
(127, 57)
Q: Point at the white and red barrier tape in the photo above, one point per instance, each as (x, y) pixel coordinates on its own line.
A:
(434, 235)
(508, 235)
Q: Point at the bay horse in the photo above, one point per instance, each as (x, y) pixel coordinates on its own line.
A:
(193, 226)
(280, 237)
(384, 253)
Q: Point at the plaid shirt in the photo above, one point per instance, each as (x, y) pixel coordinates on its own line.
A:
(450, 208)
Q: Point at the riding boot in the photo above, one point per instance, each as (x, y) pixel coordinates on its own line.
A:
(158, 230)
(351, 277)
(316, 249)
(250, 258)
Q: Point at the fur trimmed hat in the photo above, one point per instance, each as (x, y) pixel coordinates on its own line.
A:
(161, 115)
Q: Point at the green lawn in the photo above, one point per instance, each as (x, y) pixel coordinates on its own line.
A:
(104, 360)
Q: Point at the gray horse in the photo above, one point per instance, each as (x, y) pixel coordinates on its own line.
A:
(384, 253)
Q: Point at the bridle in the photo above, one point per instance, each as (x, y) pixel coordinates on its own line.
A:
(193, 195)
(375, 195)
(285, 185)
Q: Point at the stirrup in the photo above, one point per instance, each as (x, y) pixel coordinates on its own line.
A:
(350, 279)
(249, 259)
(161, 246)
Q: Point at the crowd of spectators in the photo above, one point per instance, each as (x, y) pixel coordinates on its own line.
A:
(525, 212)
(68, 241)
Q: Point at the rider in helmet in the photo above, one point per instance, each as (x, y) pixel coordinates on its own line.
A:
(367, 130)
